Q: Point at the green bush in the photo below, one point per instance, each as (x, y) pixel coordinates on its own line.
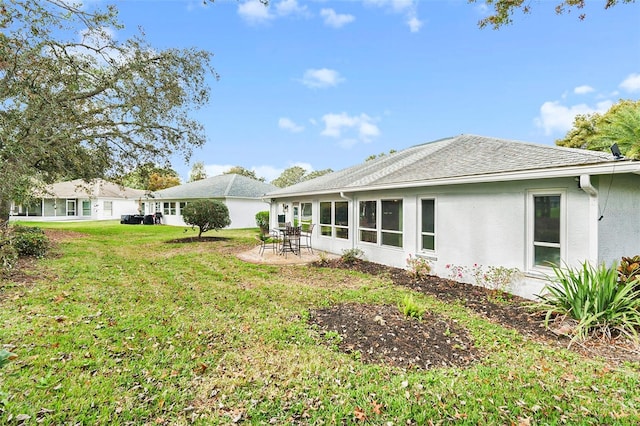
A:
(30, 244)
(262, 220)
(19, 229)
(8, 257)
(352, 255)
(594, 299)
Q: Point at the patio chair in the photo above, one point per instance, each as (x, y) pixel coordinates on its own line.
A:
(305, 236)
(291, 242)
(269, 240)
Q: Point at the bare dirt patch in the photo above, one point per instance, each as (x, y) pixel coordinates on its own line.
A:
(436, 341)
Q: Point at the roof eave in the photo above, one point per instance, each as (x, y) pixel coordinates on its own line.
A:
(558, 172)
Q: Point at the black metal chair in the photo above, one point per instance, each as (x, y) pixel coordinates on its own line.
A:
(306, 230)
(269, 240)
(291, 241)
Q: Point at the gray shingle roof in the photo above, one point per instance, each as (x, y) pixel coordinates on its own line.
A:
(222, 186)
(455, 157)
(98, 188)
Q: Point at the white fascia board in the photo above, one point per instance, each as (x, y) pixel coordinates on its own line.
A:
(594, 169)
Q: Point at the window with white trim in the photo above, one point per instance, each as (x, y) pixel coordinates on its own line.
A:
(428, 224)
(334, 219)
(368, 222)
(546, 229)
(169, 208)
(71, 207)
(107, 208)
(381, 221)
(86, 208)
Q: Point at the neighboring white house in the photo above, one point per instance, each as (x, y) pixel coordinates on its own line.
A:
(79, 200)
(471, 200)
(243, 197)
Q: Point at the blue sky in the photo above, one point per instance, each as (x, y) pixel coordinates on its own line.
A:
(325, 84)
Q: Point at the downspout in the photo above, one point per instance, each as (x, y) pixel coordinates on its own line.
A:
(353, 212)
(587, 187)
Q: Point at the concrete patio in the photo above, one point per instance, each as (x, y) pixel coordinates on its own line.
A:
(270, 257)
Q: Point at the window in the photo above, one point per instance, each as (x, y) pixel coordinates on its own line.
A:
(546, 230)
(428, 224)
(108, 208)
(325, 219)
(334, 219)
(169, 208)
(182, 205)
(392, 223)
(368, 222)
(341, 219)
(86, 208)
(381, 221)
(71, 207)
(305, 209)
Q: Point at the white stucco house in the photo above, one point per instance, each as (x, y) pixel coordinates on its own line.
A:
(469, 200)
(79, 200)
(243, 196)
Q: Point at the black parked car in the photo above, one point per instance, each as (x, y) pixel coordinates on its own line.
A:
(131, 219)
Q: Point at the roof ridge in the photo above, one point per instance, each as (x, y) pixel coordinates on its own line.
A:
(230, 184)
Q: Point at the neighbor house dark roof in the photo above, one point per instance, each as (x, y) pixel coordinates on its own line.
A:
(452, 158)
(222, 186)
(97, 188)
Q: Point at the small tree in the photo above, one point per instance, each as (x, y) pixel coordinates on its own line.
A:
(262, 220)
(206, 215)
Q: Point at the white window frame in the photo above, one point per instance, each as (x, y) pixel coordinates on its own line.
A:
(106, 210)
(333, 225)
(531, 243)
(84, 211)
(422, 233)
(169, 208)
(379, 231)
(71, 202)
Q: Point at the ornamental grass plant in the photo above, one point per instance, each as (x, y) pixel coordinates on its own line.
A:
(595, 299)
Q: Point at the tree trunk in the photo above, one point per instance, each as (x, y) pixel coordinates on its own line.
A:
(5, 208)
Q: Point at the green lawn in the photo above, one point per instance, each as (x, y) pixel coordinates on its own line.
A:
(122, 327)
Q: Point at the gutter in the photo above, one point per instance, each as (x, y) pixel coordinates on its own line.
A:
(594, 216)
(354, 218)
(571, 171)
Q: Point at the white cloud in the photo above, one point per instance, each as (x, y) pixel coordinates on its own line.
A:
(290, 7)
(321, 78)
(631, 83)
(414, 24)
(363, 126)
(335, 20)
(267, 171)
(557, 118)
(217, 169)
(288, 124)
(583, 90)
(406, 7)
(254, 12)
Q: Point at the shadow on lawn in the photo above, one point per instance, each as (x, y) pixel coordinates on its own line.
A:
(204, 239)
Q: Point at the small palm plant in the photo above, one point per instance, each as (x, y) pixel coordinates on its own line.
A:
(594, 299)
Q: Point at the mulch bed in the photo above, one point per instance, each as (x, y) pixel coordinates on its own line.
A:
(382, 334)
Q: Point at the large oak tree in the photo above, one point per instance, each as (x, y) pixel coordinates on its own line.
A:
(503, 10)
(77, 103)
